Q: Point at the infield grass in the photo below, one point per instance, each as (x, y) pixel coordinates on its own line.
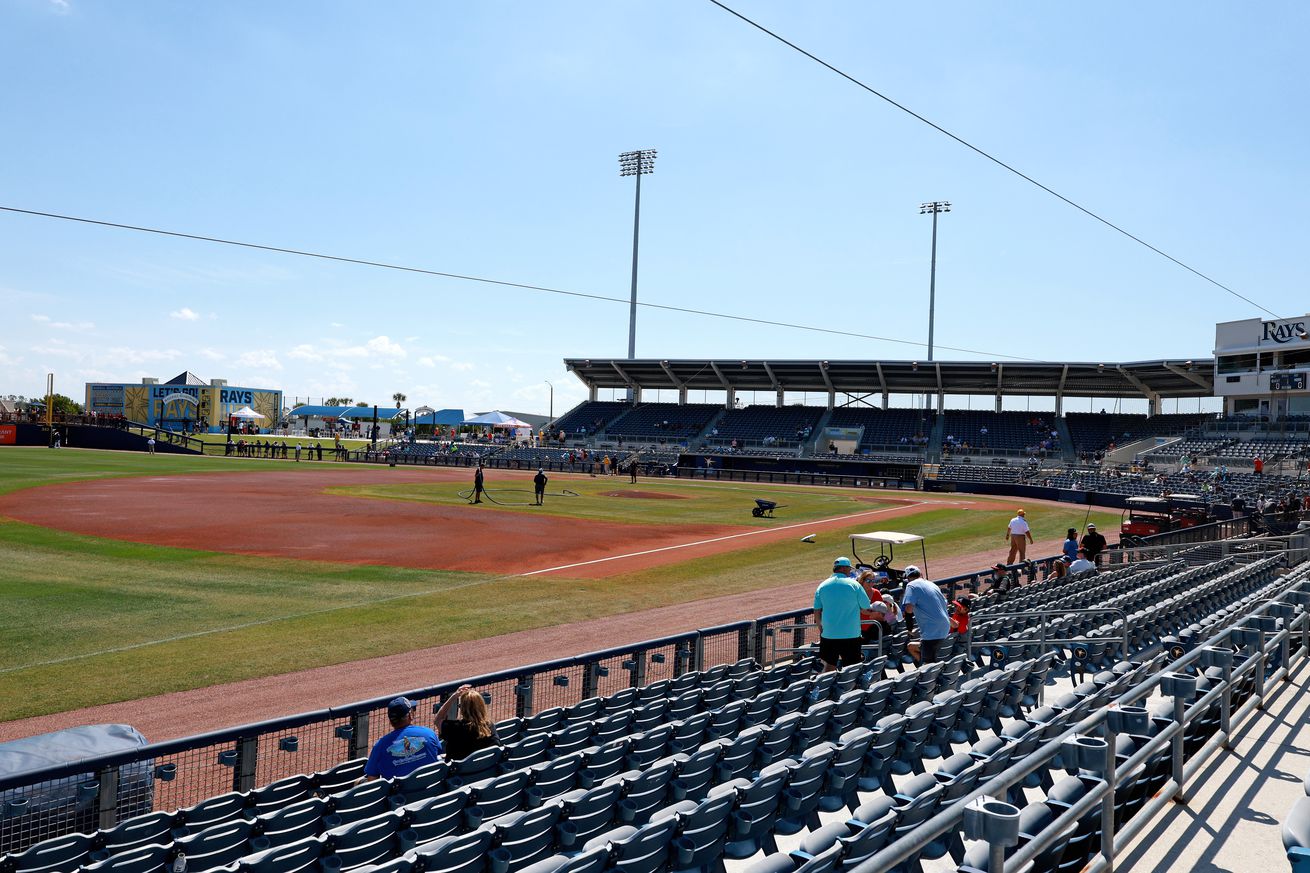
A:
(90, 620)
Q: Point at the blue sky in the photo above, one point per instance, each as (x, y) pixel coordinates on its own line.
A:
(481, 138)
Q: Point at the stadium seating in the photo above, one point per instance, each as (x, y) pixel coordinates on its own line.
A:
(980, 473)
(590, 418)
(785, 426)
(1014, 433)
(898, 430)
(719, 764)
(1094, 432)
(669, 422)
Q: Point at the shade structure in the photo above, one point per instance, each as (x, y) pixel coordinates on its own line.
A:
(496, 419)
(245, 412)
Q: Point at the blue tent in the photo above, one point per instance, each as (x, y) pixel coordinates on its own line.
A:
(441, 417)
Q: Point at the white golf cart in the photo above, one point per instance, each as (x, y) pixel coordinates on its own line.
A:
(887, 542)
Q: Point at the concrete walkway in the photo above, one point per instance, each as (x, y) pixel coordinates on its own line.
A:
(1238, 802)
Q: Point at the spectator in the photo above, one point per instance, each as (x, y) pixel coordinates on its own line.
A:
(1081, 564)
(1070, 545)
(471, 730)
(1000, 581)
(406, 748)
(961, 610)
(837, 604)
(882, 610)
(925, 602)
(1020, 535)
(1093, 544)
(1060, 566)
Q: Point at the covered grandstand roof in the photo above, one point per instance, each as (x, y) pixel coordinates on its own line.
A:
(1165, 379)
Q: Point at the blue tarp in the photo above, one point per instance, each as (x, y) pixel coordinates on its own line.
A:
(320, 411)
(384, 413)
(443, 417)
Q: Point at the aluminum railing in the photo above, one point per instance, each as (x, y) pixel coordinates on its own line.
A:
(1242, 653)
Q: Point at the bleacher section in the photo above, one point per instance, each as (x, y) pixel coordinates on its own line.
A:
(590, 417)
(765, 426)
(1095, 431)
(791, 769)
(898, 430)
(980, 473)
(1011, 433)
(669, 422)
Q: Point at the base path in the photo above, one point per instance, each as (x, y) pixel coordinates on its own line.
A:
(184, 713)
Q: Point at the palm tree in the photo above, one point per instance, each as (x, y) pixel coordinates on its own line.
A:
(399, 398)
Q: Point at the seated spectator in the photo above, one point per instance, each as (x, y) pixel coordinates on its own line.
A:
(406, 748)
(960, 611)
(1000, 581)
(471, 730)
(1081, 564)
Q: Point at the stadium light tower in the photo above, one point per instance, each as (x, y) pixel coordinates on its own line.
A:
(639, 163)
(936, 207)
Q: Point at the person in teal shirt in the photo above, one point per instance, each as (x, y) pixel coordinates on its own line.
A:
(837, 604)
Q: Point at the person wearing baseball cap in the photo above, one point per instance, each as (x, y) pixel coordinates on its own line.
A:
(408, 746)
(1019, 535)
(924, 601)
(1093, 544)
(837, 604)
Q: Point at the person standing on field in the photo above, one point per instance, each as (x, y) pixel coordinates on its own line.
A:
(539, 485)
(1020, 535)
(477, 484)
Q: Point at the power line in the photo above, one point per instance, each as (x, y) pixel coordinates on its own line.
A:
(987, 155)
(363, 262)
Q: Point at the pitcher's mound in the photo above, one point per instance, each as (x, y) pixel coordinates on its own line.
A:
(644, 495)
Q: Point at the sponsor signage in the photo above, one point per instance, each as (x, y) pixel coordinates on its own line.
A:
(8, 434)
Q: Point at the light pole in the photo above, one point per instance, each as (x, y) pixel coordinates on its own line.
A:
(639, 163)
(552, 400)
(936, 207)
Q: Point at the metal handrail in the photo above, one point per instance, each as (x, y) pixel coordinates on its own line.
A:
(948, 819)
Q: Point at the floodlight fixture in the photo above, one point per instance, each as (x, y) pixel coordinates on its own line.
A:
(637, 163)
(933, 208)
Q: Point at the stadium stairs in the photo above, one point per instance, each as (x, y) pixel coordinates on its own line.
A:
(783, 769)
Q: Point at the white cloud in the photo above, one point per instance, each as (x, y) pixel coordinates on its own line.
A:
(75, 326)
(186, 313)
(60, 7)
(433, 360)
(212, 354)
(305, 352)
(5, 359)
(378, 347)
(462, 366)
(259, 358)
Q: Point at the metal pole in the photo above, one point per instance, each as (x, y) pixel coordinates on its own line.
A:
(632, 306)
(932, 284)
(552, 393)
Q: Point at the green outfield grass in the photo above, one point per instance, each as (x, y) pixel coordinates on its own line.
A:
(90, 620)
(672, 501)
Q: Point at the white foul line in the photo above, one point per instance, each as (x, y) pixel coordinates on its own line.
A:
(749, 533)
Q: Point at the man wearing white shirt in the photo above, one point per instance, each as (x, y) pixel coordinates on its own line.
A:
(1020, 536)
(1081, 565)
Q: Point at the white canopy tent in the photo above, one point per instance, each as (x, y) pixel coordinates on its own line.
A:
(497, 419)
(246, 414)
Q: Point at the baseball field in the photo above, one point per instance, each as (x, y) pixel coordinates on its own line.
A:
(126, 577)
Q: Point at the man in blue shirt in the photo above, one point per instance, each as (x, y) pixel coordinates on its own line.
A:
(406, 748)
(924, 601)
(837, 604)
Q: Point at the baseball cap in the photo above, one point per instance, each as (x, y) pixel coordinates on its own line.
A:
(912, 571)
(1092, 525)
(842, 562)
(1065, 558)
(400, 706)
(1023, 512)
